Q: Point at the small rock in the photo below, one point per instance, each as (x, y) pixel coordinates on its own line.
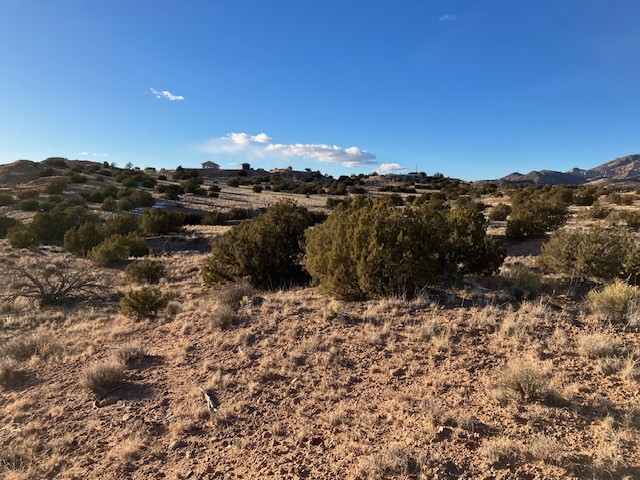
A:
(398, 372)
(126, 417)
(177, 444)
(315, 441)
(443, 433)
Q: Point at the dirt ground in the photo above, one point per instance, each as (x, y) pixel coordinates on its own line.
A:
(308, 387)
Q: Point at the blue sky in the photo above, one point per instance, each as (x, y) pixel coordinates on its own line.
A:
(473, 89)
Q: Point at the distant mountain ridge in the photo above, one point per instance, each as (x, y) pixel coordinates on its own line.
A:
(620, 170)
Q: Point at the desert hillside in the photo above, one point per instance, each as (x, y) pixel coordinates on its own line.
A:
(160, 324)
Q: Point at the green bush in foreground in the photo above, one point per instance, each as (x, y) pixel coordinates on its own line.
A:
(265, 249)
(145, 302)
(373, 248)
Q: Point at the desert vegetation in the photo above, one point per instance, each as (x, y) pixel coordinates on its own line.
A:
(364, 327)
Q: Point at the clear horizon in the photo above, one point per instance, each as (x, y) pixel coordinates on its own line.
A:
(473, 91)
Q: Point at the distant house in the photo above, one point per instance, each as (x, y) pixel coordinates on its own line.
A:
(245, 166)
(211, 165)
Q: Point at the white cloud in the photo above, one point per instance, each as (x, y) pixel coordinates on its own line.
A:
(166, 94)
(261, 145)
(447, 18)
(390, 168)
(91, 154)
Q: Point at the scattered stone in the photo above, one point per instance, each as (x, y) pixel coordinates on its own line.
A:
(398, 372)
(177, 444)
(126, 417)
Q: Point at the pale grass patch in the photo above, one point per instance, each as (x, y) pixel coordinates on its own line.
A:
(23, 348)
(630, 369)
(597, 345)
(500, 450)
(395, 460)
(544, 448)
(609, 453)
(615, 301)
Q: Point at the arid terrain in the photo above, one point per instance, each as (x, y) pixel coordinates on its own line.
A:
(506, 376)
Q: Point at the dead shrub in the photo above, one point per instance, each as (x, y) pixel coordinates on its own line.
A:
(48, 281)
(102, 376)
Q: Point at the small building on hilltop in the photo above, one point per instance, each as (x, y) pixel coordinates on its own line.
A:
(245, 166)
(210, 166)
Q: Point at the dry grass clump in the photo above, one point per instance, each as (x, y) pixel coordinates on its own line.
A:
(228, 301)
(11, 374)
(615, 302)
(232, 295)
(23, 348)
(609, 449)
(13, 461)
(102, 376)
(597, 345)
(526, 379)
(523, 282)
(544, 448)
(500, 449)
(390, 463)
(129, 355)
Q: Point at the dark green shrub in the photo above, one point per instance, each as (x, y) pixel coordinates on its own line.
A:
(27, 194)
(128, 182)
(265, 249)
(117, 248)
(534, 218)
(110, 250)
(21, 236)
(141, 198)
(257, 189)
(56, 186)
(233, 182)
(77, 178)
(500, 212)
(125, 204)
(237, 213)
(7, 223)
(29, 205)
(109, 204)
(80, 240)
(122, 224)
(595, 252)
(373, 248)
(51, 226)
(145, 302)
(214, 189)
(6, 199)
(146, 271)
(597, 211)
(215, 217)
(156, 221)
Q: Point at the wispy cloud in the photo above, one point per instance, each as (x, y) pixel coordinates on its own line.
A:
(91, 154)
(391, 168)
(261, 145)
(447, 18)
(166, 94)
